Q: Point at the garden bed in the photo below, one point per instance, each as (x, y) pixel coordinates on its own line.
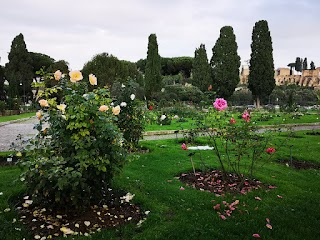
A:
(213, 181)
(299, 164)
(47, 223)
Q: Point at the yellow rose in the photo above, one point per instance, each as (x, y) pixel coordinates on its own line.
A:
(92, 79)
(39, 114)
(43, 103)
(116, 110)
(62, 107)
(57, 75)
(103, 108)
(75, 76)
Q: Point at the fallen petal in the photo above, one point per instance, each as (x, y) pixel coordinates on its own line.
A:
(268, 220)
(182, 188)
(279, 196)
(216, 207)
(256, 235)
(268, 226)
(223, 217)
(257, 198)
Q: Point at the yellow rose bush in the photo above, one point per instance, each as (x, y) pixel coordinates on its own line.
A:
(130, 118)
(71, 165)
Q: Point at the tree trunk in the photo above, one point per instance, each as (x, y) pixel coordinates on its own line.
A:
(258, 102)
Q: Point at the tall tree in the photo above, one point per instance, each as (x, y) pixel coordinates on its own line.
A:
(305, 64)
(19, 71)
(153, 78)
(2, 78)
(201, 71)
(261, 76)
(225, 63)
(298, 66)
(312, 66)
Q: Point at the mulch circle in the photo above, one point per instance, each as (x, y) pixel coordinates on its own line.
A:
(47, 223)
(297, 164)
(212, 181)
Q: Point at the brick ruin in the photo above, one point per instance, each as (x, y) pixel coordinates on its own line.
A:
(283, 76)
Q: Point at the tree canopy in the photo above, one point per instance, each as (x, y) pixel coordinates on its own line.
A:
(201, 71)
(305, 64)
(108, 69)
(19, 70)
(153, 79)
(225, 63)
(40, 60)
(312, 66)
(261, 70)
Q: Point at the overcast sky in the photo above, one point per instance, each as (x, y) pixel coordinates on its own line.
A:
(76, 30)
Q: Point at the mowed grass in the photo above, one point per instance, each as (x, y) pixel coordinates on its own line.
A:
(16, 117)
(189, 214)
(275, 119)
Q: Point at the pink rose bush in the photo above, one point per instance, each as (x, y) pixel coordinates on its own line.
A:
(235, 144)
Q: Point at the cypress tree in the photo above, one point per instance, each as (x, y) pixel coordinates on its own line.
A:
(312, 66)
(261, 70)
(201, 71)
(2, 78)
(225, 63)
(305, 64)
(153, 79)
(19, 70)
(298, 66)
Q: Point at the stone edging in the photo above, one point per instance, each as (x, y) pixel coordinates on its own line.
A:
(14, 121)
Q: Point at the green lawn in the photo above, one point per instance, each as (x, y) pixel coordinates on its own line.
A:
(175, 125)
(275, 119)
(189, 214)
(16, 117)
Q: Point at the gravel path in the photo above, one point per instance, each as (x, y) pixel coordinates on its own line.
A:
(10, 130)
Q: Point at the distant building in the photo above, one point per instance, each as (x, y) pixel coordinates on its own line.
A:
(308, 78)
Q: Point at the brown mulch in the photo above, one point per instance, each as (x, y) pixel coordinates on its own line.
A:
(297, 164)
(212, 181)
(46, 223)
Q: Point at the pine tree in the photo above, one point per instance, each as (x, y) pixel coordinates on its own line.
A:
(305, 64)
(225, 63)
(153, 79)
(201, 71)
(261, 76)
(312, 66)
(19, 70)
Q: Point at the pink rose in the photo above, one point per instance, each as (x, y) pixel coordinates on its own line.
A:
(232, 121)
(246, 116)
(184, 146)
(220, 104)
(270, 150)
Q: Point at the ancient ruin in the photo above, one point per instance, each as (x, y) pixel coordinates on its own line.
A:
(282, 76)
